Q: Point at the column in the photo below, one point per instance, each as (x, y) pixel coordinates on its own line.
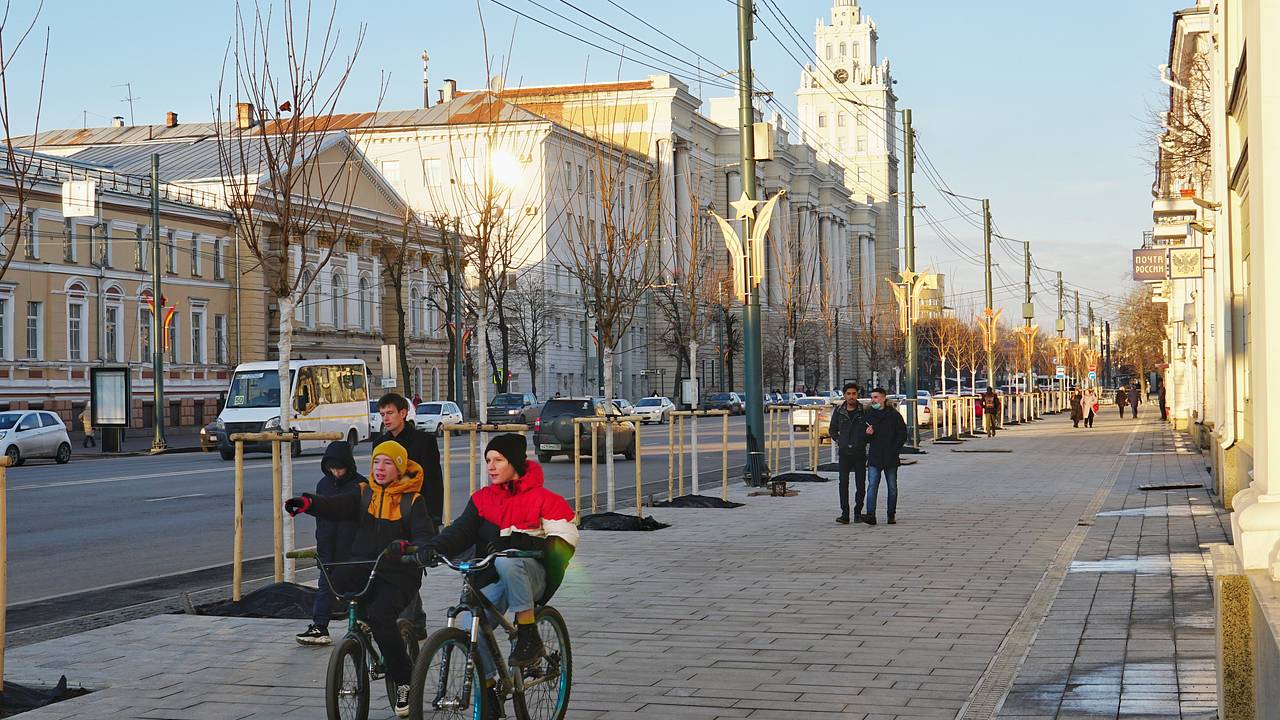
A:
(683, 200)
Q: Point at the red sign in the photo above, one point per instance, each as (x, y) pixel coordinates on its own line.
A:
(1093, 367)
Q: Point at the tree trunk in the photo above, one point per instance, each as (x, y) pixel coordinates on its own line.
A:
(831, 383)
(285, 346)
(504, 335)
(693, 420)
(610, 479)
(402, 354)
(959, 382)
(943, 373)
(452, 363)
(791, 385)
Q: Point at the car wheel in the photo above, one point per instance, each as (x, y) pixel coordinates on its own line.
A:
(64, 454)
(630, 452)
(544, 458)
(14, 455)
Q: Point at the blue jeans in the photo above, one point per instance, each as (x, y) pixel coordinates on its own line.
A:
(323, 608)
(873, 485)
(521, 581)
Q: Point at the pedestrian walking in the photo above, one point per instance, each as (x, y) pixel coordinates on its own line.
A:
(990, 411)
(1135, 396)
(1089, 406)
(1077, 408)
(417, 400)
(333, 537)
(1164, 409)
(1122, 399)
(886, 433)
(86, 421)
(848, 432)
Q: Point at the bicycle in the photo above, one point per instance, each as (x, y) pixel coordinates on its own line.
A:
(347, 679)
(448, 681)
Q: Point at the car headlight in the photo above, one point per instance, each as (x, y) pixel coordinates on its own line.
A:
(3, 433)
(513, 412)
(272, 424)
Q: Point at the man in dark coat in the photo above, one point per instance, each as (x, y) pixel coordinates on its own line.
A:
(1077, 408)
(333, 537)
(1122, 399)
(1135, 396)
(886, 433)
(848, 432)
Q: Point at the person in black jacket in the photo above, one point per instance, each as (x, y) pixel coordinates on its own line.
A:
(848, 432)
(422, 449)
(390, 514)
(886, 434)
(333, 538)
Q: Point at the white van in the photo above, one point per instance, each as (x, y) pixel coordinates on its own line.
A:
(326, 396)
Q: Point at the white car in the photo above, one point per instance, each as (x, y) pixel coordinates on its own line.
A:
(31, 434)
(654, 409)
(807, 409)
(431, 415)
(375, 418)
(624, 406)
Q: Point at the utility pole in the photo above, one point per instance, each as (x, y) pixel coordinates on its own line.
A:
(1028, 307)
(909, 256)
(1077, 316)
(1107, 368)
(990, 309)
(1089, 343)
(158, 443)
(756, 468)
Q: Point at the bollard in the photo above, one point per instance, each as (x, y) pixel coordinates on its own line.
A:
(277, 555)
(671, 459)
(933, 417)
(639, 477)
(4, 560)
(679, 418)
(577, 473)
(595, 468)
(724, 458)
(471, 462)
(448, 478)
(237, 551)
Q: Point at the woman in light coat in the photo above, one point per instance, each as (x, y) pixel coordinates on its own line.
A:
(1089, 405)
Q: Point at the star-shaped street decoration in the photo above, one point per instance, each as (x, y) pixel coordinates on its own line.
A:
(745, 206)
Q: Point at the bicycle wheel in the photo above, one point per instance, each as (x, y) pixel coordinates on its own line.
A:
(548, 681)
(439, 679)
(346, 687)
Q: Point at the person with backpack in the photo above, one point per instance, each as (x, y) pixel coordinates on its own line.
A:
(990, 411)
(333, 537)
(390, 513)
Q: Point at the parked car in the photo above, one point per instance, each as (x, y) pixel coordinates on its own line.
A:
(431, 415)
(375, 418)
(624, 406)
(33, 434)
(802, 416)
(513, 407)
(730, 401)
(554, 428)
(655, 409)
(924, 413)
(208, 438)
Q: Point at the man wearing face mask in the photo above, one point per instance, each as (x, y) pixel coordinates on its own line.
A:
(886, 434)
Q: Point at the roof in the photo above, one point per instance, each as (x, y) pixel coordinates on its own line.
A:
(580, 89)
(196, 159)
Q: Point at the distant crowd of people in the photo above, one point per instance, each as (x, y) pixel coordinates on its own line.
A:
(1086, 403)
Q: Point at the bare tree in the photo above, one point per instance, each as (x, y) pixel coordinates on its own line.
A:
(399, 257)
(531, 309)
(971, 351)
(448, 274)
(1140, 344)
(286, 179)
(1182, 133)
(720, 285)
(944, 335)
(17, 162)
(796, 272)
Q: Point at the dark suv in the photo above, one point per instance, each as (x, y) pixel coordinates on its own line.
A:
(513, 407)
(554, 428)
(730, 401)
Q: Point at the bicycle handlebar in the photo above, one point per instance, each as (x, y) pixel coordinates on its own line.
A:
(476, 564)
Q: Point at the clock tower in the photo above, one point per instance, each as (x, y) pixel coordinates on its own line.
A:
(850, 115)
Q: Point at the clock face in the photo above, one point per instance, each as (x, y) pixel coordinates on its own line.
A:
(842, 75)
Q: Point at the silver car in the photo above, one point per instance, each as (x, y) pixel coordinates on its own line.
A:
(32, 434)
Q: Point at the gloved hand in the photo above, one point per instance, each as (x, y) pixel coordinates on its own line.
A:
(296, 505)
(398, 548)
(428, 556)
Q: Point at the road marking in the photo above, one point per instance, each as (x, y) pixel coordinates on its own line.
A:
(149, 476)
(174, 497)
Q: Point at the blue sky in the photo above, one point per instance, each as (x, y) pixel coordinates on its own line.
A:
(1037, 105)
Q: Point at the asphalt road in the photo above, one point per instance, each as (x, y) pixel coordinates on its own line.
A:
(108, 521)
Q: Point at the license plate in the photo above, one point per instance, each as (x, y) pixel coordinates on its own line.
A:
(549, 446)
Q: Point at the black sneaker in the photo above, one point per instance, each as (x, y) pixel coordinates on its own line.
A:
(402, 701)
(313, 635)
(869, 519)
(843, 519)
(528, 646)
(893, 520)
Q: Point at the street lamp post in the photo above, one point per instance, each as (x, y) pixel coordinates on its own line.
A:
(755, 469)
(158, 443)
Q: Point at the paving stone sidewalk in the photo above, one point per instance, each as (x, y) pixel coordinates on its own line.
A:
(767, 611)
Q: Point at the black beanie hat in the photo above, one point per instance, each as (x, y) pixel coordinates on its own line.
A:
(512, 447)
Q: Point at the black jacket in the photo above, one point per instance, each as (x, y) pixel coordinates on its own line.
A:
(380, 517)
(334, 537)
(849, 431)
(422, 449)
(889, 435)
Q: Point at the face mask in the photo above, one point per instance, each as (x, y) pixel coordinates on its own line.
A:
(875, 406)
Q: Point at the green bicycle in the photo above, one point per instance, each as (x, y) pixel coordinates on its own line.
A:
(354, 661)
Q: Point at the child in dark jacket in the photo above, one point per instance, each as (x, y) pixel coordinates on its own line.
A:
(333, 537)
(390, 514)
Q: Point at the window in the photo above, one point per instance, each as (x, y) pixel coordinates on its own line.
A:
(29, 422)
(338, 300)
(140, 250)
(69, 241)
(857, 50)
(415, 311)
(829, 55)
(171, 341)
(220, 339)
(822, 120)
(842, 120)
(49, 420)
(172, 252)
(144, 333)
(843, 50)
(77, 331)
(196, 265)
(862, 142)
(433, 172)
(35, 330)
(841, 142)
(112, 313)
(219, 249)
(308, 306)
(6, 329)
(99, 254)
(32, 237)
(391, 171)
(197, 336)
(366, 303)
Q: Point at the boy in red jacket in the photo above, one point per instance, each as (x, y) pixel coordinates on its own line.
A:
(515, 512)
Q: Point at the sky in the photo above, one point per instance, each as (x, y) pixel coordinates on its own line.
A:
(1039, 106)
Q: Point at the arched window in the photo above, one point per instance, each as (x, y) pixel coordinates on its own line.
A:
(366, 303)
(415, 311)
(822, 120)
(338, 300)
(113, 324)
(77, 321)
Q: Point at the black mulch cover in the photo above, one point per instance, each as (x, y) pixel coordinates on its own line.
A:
(279, 600)
(19, 698)
(697, 501)
(618, 521)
